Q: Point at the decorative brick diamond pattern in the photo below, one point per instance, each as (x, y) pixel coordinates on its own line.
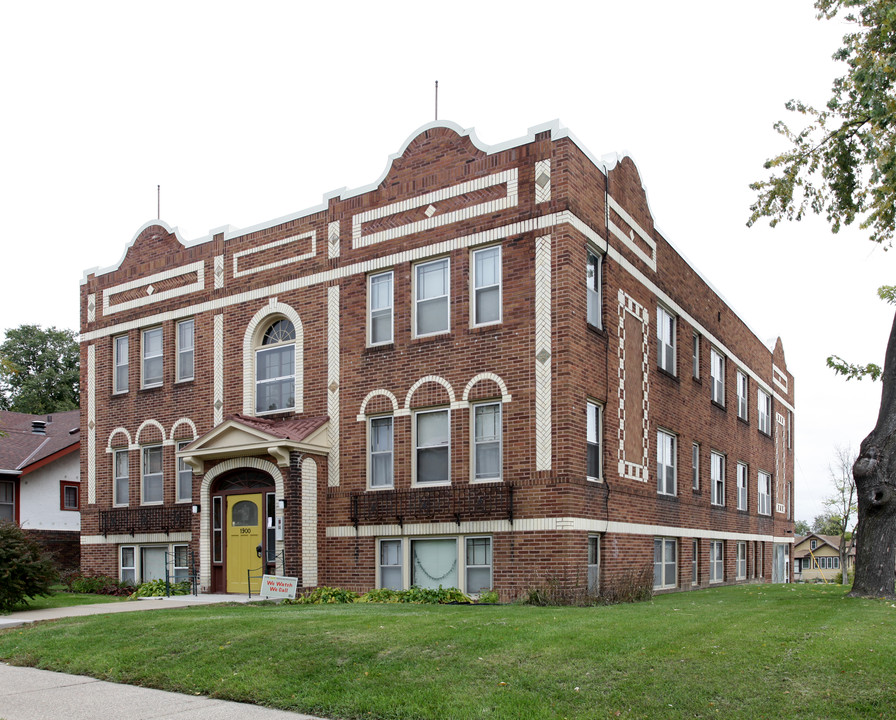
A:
(636, 467)
(333, 239)
(543, 444)
(542, 180)
(782, 491)
(333, 384)
(91, 307)
(219, 272)
(218, 380)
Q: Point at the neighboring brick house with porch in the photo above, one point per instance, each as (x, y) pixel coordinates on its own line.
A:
(488, 369)
(40, 484)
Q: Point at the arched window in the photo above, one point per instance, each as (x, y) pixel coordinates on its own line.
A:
(275, 368)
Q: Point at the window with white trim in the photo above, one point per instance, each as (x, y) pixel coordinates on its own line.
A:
(593, 564)
(431, 293)
(813, 544)
(185, 346)
(593, 289)
(716, 561)
(765, 493)
(717, 477)
(181, 562)
(695, 356)
(121, 492)
(742, 474)
(380, 460)
(380, 302)
(152, 358)
(434, 562)
(390, 564)
(217, 529)
(717, 376)
(665, 463)
(665, 563)
(765, 411)
(152, 487)
(665, 337)
(594, 441)
(127, 564)
(275, 368)
(742, 401)
(120, 363)
(741, 571)
(487, 285)
(184, 476)
(478, 564)
(432, 440)
(695, 466)
(7, 501)
(695, 562)
(487, 442)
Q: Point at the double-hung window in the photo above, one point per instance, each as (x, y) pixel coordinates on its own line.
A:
(184, 477)
(695, 466)
(487, 449)
(120, 362)
(391, 570)
(153, 491)
(665, 564)
(487, 285)
(765, 493)
(765, 412)
(380, 303)
(7, 501)
(593, 289)
(70, 499)
(432, 436)
(665, 463)
(128, 564)
(741, 486)
(695, 356)
(717, 477)
(594, 434)
(121, 493)
(742, 401)
(185, 346)
(716, 561)
(380, 461)
(479, 564)
(741, 571)
(665, 336)
(431, 293)
(275, 368)
(695, 562)
(717, 375)
(152, 357)
(593, 563)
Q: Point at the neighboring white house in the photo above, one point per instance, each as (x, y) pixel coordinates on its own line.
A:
(40, 486)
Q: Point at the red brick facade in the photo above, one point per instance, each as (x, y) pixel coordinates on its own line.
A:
(478, 387)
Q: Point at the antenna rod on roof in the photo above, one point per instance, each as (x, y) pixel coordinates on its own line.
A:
(437, 99)
(158, 202)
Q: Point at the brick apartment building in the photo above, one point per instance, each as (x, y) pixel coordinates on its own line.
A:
(486, 370)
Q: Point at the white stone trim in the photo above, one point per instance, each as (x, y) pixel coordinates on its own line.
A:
(629, 240)
(152, 296)
(219, 272)
(150, 422)
(543, 192)
(543, 524)
(111, 448)
(505, 396)
(91, 307)
(430, 378)
(333, 380)
(182, 421)
(205, 518)
(333, 240)
(309, 522)
(627, 467)
(278, 263)
(91, 424)
(542, 354)
(137, 538)
(547, 221)
(361, 417)
(273, 307)
(218, 370)
(779, 378)
(508, 177)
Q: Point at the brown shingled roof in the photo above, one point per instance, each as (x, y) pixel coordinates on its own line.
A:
(22, 448)
(297, 428)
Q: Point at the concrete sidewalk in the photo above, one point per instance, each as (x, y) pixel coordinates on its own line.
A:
(29, 694)
(29, 616)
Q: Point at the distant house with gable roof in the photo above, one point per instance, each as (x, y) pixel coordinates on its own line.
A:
(816, 555)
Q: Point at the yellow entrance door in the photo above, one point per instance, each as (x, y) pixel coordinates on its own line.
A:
(243, 538)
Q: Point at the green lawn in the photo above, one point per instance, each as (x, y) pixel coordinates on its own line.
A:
(754, 651)
(67, 599)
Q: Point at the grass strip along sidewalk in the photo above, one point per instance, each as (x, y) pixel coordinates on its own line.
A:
(754, 651)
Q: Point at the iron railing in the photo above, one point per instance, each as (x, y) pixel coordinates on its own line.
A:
(145, 519)
(459, 503)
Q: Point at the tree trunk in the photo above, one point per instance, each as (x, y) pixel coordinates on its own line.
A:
(875, 475)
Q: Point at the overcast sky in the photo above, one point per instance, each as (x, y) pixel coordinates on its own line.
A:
(246, 112)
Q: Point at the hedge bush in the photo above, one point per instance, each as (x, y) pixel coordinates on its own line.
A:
(26, 570)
